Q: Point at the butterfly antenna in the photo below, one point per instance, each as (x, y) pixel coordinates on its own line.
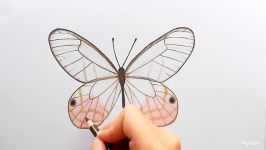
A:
(129, 51)
(115, 52)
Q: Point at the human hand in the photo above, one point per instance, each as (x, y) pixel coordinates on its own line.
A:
(131, 130)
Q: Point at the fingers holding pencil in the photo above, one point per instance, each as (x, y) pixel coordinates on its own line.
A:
(98, 144)
(129, 124)
(131, 130)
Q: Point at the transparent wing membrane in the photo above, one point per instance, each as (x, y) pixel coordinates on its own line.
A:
(79, 57)
(161, 107)
(93, 104)
(164, 57)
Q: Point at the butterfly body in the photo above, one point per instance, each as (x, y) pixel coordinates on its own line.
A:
(140, 83)
(122, 78)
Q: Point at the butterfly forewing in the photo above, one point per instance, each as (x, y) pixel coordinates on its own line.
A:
(79, 57)
(164, 57)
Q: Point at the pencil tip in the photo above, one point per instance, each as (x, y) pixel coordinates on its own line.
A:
(90, 123)
(87, 119)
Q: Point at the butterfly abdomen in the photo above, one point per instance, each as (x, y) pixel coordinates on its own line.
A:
(121, 77)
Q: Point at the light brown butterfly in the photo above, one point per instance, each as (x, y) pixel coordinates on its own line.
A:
(141, 82)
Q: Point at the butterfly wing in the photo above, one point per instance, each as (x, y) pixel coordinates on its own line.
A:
(93, 100)
(80, 58)
(156, 101)
(156, 63)
(87, 64)
(164, 57)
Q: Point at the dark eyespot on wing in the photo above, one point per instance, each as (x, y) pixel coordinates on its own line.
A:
(172, 100)
(73, 102)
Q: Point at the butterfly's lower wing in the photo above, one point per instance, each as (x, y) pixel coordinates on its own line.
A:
(164, 57)
(79, 57)
(93, 100)
(156, 101)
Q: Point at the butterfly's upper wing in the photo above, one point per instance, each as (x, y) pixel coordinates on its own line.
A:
(164, 57)
(80, 58)
(87, 64)
(156, 63)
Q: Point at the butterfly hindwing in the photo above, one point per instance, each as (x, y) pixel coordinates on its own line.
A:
(94, 101)
(156, 101)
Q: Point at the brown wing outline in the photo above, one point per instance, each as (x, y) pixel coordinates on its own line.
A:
(157, 102)
(80, 58)
(94, 101)
(164, 57)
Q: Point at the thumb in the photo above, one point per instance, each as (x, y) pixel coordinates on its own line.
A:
(129, 124)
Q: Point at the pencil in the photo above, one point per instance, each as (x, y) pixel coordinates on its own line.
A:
(94, 130)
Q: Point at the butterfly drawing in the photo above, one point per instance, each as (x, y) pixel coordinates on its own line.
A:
(139, 83)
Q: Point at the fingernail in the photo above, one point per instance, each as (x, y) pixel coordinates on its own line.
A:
(98, 145)
(100, 133)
